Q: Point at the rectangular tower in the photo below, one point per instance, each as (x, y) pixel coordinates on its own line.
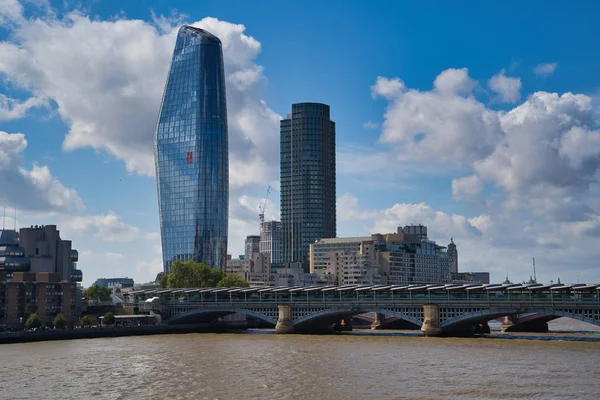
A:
(307, 179)
(270, 240)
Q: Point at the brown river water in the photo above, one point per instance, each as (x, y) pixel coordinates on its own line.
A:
(263, 365)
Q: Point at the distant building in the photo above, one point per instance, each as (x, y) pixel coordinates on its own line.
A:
(252, 246)
(37, 275)
(307, 173)
(452, 256)
(405, 257)
(47, 252)
(115, 282)
(270, 240)
(470, 277)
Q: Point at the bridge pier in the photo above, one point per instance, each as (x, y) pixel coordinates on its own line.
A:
(379, 319)
(511, 323)
(431, 320)
(284, 322)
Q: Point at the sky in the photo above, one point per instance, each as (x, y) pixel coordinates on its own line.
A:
(480, 120)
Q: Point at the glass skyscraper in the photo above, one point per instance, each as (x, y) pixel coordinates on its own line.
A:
(307, 180)
(191, 153)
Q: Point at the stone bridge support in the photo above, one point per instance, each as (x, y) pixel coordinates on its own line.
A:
(379, 320)
(284, 321)
(512, 323)
(431, 320)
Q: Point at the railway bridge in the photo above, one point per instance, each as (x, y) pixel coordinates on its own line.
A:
(436, 308)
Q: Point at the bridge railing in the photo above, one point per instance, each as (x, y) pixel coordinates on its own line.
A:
(415, 299)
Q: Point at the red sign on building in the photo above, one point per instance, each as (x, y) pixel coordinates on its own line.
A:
(190, 157)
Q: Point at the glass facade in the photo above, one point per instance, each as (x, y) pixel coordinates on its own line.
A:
(307, 180)
(191, 153)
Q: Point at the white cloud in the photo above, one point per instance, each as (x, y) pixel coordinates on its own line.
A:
(108, 90)
(33, 189)
(13, 109)
(509, 89)
(468, 188)
(545, 69)
(443, 126)
(388, 88)
(454, 81)
(107, 228)
(370, 125)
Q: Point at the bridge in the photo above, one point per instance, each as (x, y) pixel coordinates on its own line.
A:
(438, 309)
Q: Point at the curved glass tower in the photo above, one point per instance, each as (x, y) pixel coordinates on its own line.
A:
(191, 153)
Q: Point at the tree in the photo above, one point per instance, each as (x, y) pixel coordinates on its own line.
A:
(109, 318)
(33, 322)
(96, 292)
(60, 321)
(233, 280)
(191, 274)
(85, 321)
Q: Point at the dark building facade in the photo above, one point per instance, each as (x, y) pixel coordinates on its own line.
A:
(307, 180)
(191, 153)
(38, 275)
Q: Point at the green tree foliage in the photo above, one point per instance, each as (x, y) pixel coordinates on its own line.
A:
(192, 275)
(85, 321)
(33, 322)
(96, 292)
(109, 318)
(233, 280)
(60, 321)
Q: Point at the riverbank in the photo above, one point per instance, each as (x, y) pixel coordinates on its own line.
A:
(106, 332)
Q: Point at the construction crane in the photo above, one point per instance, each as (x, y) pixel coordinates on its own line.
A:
(263, 206)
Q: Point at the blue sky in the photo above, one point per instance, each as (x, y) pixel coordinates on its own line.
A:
(477, 119)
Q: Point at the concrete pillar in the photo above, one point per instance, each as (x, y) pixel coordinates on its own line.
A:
(379, 320)
(431, 320)
(507, 323)
(284, 322)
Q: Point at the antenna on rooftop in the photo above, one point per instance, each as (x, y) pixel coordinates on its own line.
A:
(534, 277)
(4, 219)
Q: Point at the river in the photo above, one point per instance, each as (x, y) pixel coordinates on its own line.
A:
(263, 365)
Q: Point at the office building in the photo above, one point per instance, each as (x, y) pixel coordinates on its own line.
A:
(406, 257)
(307, 172)
(270, 240)
(252, 246)
(49, 253)
(37, 275)
(191, 153)
(452, 256)
(121, 283)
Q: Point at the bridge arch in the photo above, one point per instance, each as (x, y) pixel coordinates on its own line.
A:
(485, 315)
(210, 314)
(337, 313)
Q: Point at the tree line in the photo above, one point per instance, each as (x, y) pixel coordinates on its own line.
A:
(190, 274)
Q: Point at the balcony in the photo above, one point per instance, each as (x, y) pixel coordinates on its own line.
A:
(76, 275)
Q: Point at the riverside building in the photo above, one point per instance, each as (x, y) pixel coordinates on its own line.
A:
(191, 153)
(394, 259)
(38, 274)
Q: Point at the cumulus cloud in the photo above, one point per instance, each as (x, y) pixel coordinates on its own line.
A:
(388, 88)
(370, 125)
(545, 69)
(445, 124)
(509, 89)
(107, 228)
(454, 81)
(107, 79)
(34, 189)
(467, 188)
(13, 109)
